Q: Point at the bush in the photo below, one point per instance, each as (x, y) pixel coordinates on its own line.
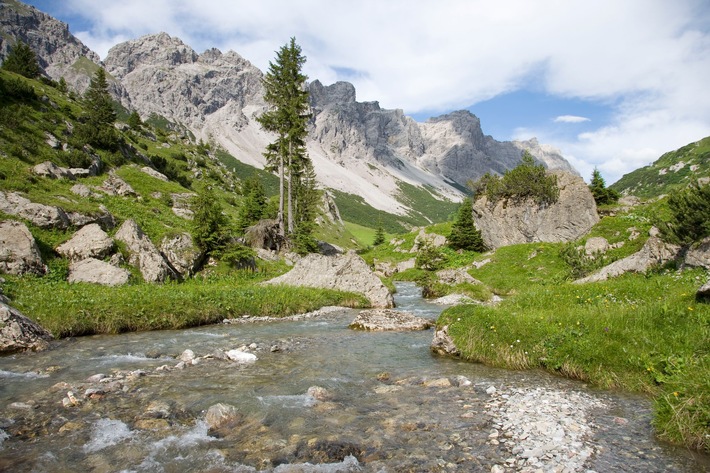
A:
(429, 257)
(526, 181)
(690, 211)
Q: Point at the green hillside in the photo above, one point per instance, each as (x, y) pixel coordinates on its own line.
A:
(672, 171)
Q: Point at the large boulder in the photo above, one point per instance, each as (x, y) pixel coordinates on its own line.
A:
(89, 242)
(18, 333)
(443, 344)
(509, 222)
(456, 276)
(704, 292)
(348, 272)
(698, 255)
(52, 171)
(143, 254)
(654, 252)
(114, 185)
(44, 216)
(182, 254)
(96, 271)
(382, 320)
(19, 253)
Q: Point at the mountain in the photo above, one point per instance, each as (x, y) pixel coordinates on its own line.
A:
(358, 148)
(672, 171)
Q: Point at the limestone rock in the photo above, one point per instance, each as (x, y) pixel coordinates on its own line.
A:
(89, 242)
(221, 416)
(456, 276)
(443, 344)
(182, 254)
(143, 254)
(19, 253)
(698, 255)
(44, 216)
(507, 223)
(114, 185)
(95, 271)
(704, 291)
(82, 190)
(381, 320)
(153, 173)
(264, 235)
(347, 272)
(18, 333)
(596, 245)
(432, 239)
(52, 171)
(654, 252)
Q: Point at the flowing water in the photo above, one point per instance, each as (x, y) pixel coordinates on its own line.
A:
(387, 404)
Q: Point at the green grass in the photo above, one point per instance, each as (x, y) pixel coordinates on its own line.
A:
(638, 332)
(82, 309)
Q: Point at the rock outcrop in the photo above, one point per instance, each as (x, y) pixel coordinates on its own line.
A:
(89, 242)
(52, 171)
(703, 292)
(19, 253)
(18, 333)
(654, 252)
(386, 320)
(698, 255)
(182, 254)
(143, 254)
(506, 223)
(347, 272)
(95, 271)
(44, 216)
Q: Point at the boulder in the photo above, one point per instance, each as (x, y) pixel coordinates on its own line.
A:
(432, 239)
(348, 272)
(153, 173)
(104, 218)
(456, 276)
(698, 255)
(508, 222)
(182, 254)
(443, 344)
(95, 271)
(52, 171)
(143, 254)
(265, 235)
(704, 291)
(89, 242)
(44, 216)
(18, 333)
(654, 252)
(19, 253)
(381, 320)
(114, 185)
(222, 416)
(596, 245)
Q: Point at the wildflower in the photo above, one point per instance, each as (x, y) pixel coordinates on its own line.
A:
(517, 341)
(690, 308)
(606, 329)
(675, 393)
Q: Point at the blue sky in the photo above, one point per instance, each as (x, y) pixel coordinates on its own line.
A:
(612, 84)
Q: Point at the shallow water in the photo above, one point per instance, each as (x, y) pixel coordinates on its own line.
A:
(385, 404)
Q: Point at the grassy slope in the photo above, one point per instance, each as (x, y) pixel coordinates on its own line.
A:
(672, 171)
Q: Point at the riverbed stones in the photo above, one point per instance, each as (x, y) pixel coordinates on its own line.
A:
(222, 416)
(241, 356)
(348, 272)
(19, 253)
(380, 320)
(19, 333)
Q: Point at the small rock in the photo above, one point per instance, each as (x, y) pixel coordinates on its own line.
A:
(241, 356)
(491, 390)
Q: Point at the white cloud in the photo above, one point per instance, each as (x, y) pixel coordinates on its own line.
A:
(648, 59)
(570, 119)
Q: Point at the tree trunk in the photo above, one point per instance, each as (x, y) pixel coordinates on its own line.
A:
(290, 189)
(280, 217)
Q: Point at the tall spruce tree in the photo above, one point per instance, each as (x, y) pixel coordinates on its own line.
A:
(285, 92)
(464, 234)
(22, 60)
(253, 205)
(97, 125)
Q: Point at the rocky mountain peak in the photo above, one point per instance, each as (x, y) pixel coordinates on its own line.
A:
(340, 93)
(160, 50)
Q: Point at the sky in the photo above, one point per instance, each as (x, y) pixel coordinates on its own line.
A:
(612, 83)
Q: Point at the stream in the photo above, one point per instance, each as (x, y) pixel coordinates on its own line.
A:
(318, 398)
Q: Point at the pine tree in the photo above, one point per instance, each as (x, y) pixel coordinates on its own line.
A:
(602, 194)
(464, 234)
(134, 121)
(209, 223)
(288, 118)
(379, 236)
(690, 215)
(22, 60)
(97, 125)
(252, 209)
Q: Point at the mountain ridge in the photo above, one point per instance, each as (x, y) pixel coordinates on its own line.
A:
(357, 147)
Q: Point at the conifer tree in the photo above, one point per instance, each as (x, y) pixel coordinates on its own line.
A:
(288, 100)
(690, 215)
(464, 234)
(22, 60)
(97, 125)
(602, 194)
(252, 209)
(379, 236)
